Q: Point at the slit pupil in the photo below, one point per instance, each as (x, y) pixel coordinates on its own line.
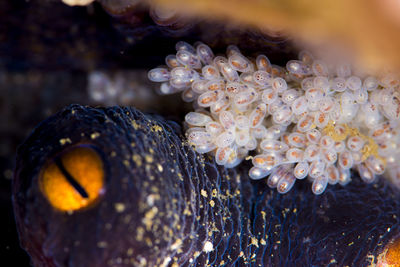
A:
(71, 179)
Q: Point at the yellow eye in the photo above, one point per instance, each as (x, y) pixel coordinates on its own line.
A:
(391, 254)
(74, 179)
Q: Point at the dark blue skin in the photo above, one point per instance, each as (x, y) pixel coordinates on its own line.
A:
(176, 200)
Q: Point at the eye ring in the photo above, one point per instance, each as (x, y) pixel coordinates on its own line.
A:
(73, 179)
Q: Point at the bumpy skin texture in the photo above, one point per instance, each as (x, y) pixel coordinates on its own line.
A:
(176, 201)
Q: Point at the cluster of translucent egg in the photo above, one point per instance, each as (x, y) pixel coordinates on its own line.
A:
(309, 119)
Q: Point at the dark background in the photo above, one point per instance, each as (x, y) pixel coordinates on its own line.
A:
(47, 51)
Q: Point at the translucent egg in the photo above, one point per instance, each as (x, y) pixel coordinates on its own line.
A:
(355, 143)
(245, 98)
(375, 164)
(214, 128)
(232, 50)
(258, 173)
(259, 132)
(210, 73)
(262, 78)
(265, 161)
(225, 139)
(365, 173)
(285, 183)
(205, 53)
(200, 86)
(166, 89)
(294, 155)
(275, 176)
(360, 96)
(273, 146)
(301, 170)
(242, 122)
(326, 142)
(199, 137)
(226, 70)
(197, 119)
(322, 82)
(159, 75)
(181, 77)
(234, 88)
(314, 94)
(282, 115)
(263, 63)
(247, 79)
(326, 104)
(242, 137)
(299, 105)
(258, 115)
(205, 148)
(353, 83)
(274, 106)
(208, 98)
(320, 68)
(240, 63)
(251, 144)
(329, 156)
(344, 176)
(391, 110)
(218, 84)
(312, 153)
(222, 154)
(184, 46)
(227, 120)
(306, 57)
(298, 67)
(188, 59)
(269, 96)
(339, 146)
(317, 169)
(188, 95)
(279, 84)
(370, 83)
(307, 83)
(319, 184)
(289, 96)
(172, 62)
(357, 157)
(339, 84)
(313, 136)
(333, 174)
(305, 123)
(220, 105)
(321, 119)
(297, 139)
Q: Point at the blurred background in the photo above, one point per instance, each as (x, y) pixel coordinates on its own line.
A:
(53, 55)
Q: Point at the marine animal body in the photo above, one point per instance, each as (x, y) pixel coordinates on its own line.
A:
(160, 203)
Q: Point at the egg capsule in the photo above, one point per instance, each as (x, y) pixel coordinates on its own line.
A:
(159, 75)
(197, 119)
(263, 63)
(365, 173)
(205, 53)
(301, 170)
(319, 184)
(258, 173)
(286, 183)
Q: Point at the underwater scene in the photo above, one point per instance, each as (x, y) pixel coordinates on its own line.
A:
(200, 133)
